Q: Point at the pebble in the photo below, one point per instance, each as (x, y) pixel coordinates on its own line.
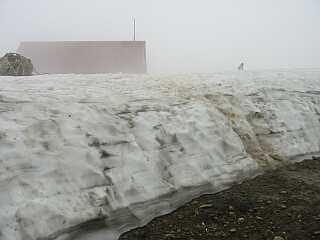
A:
(206, 206)
(278, 238)
(169, 235)
(283, 206)
(259, 218)
(232, 230)
(283, 192)
(241, 220)
(268, 233)
(316, 233)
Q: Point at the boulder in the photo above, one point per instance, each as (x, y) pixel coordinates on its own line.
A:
(14, 64)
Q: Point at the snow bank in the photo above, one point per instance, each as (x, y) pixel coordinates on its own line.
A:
(91, 156)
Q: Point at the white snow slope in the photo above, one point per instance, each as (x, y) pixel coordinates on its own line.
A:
(91, 156)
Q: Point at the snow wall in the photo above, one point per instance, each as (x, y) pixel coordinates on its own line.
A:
(92, 156)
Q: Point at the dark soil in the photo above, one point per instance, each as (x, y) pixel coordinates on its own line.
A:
(281, 204)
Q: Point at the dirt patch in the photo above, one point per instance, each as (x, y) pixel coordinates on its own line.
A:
(281, 204)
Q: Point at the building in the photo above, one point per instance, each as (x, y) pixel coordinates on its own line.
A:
(86, 56)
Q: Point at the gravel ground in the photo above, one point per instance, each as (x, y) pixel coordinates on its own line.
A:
(281, 204)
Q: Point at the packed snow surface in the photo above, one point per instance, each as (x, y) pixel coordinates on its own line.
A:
(92, 156)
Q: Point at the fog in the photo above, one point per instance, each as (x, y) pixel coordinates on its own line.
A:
(181, 36)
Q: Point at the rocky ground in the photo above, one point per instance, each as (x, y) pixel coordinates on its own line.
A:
(281, 204)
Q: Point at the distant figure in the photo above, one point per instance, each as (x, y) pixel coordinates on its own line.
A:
(241, 67)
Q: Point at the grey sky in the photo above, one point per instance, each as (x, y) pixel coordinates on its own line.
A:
(181, 35)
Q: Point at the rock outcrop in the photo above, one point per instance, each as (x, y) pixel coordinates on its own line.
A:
(14, 64)
(91, 156)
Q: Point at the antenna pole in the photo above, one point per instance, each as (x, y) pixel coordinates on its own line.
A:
(134, 29)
